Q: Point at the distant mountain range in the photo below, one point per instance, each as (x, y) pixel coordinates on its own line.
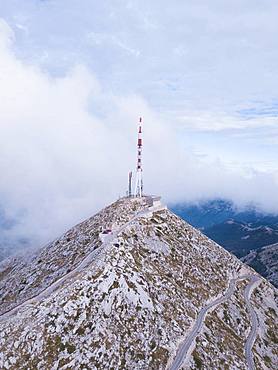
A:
(239, 231)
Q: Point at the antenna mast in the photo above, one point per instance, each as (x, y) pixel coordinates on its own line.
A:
(139, 179)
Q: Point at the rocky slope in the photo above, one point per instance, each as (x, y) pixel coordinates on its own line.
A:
(265, 261)
(126, 299)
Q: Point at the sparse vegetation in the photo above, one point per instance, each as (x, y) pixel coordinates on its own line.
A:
(198, 361)
(133, 302)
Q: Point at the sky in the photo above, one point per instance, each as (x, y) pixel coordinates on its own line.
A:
(76, 75)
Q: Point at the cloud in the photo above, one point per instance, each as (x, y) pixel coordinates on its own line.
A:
(66, 145)
(68, 141)
(219, 121)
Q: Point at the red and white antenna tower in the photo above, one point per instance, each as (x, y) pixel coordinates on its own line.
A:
(139, 178)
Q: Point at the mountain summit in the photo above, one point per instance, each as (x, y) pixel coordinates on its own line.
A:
(135, 287)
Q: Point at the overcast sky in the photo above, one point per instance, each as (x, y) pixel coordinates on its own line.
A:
(75, 75)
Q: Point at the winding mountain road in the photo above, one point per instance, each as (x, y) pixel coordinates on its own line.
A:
(183, 351)
(254, 323)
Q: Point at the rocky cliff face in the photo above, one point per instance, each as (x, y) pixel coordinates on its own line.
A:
(129, 297)
(265, 261)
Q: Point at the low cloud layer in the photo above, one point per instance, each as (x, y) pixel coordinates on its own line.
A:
(67, 144)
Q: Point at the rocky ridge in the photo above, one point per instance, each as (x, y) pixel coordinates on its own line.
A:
(127, 299)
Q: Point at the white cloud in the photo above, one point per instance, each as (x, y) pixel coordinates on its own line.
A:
(215, 121)
(67, 144)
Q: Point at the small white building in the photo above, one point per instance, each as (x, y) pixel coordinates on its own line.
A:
(154, 201)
